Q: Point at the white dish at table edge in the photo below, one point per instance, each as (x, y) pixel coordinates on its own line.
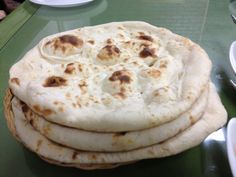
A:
(231, 145)
(232, 59)
(232, 56)
(61, 3)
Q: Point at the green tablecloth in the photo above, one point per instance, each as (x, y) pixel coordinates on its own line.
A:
(206, 22)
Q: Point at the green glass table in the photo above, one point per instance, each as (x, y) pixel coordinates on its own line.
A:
(207, 22)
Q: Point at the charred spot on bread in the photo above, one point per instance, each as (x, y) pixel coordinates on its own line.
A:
(155, 73)
(74, 155)
(24, 107)
(83, 86)
(108, 52)
(44, 112)
(120, 95)
(15, 80)
(109, 41)
(123, 76)
(65, 44)
(163, 64)
(70, 39)
(70, 68)
(119, 134)
(55, 81)
(91, 41)
(147, 52)
(146, 37)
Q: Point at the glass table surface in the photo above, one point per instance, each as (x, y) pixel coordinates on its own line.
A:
(206, 22)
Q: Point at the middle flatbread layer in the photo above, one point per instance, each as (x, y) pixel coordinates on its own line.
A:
(120, 141)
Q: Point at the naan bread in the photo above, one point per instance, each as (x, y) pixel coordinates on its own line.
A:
(214, 117)
(11, 125)
(121, 141)
(123, 76)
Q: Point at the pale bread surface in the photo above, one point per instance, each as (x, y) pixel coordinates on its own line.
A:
(122, 76)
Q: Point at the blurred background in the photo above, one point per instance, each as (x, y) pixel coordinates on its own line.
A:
(7, 6)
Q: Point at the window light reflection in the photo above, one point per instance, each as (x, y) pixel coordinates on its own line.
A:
(216, 136)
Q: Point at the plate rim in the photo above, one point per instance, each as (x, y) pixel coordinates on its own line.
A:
(61, 3)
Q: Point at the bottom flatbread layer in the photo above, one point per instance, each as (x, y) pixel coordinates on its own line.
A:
(214, 117)
(87, 166)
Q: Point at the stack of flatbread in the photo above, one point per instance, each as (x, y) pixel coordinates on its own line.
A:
(112, 94)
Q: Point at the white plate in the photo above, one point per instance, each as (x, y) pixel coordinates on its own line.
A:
(61, 3)
(231, 145)
(232, 56)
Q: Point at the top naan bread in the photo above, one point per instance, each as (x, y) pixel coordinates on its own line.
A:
(115, 77)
